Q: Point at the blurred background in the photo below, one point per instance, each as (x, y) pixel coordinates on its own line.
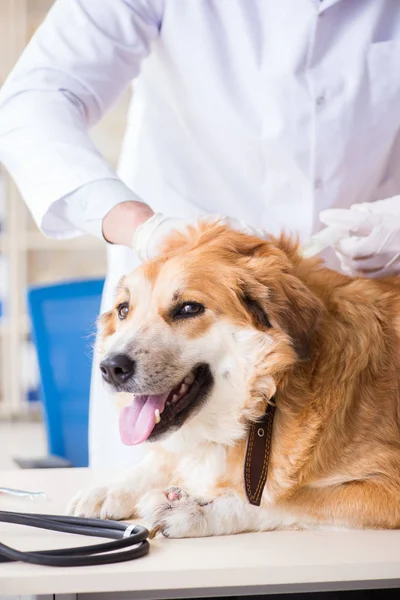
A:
(28, 259)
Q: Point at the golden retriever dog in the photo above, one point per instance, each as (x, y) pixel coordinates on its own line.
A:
(204, 338)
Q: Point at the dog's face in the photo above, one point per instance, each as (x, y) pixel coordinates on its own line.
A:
(203, 335)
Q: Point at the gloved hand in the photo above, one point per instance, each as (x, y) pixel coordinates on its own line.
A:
(149, 237)
(370, 240)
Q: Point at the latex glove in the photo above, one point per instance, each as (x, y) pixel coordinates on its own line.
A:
(149, 237)
(370, 241)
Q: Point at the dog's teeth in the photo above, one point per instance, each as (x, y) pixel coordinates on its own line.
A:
(157, 417)
(189, 379)
(184, 388)
(175, 397)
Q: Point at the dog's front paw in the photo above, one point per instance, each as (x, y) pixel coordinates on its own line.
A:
(175, 513)
(114, 502)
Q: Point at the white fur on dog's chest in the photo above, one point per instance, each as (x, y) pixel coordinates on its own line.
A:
(198, 469)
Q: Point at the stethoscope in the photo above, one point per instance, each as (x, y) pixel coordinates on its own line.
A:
(130, 541)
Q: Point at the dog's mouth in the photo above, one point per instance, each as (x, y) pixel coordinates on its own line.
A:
(149, 416)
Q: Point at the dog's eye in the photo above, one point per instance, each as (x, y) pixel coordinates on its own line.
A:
(189, 309)
(123, 311)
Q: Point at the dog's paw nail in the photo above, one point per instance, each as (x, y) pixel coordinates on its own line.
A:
(154, 531)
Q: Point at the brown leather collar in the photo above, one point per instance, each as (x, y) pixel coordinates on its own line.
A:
(257, 456)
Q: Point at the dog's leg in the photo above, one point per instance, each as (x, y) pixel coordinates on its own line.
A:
(177, 514)
(118, 500)
(359, 504)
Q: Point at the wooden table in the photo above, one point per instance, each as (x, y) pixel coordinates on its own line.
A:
(281, 561)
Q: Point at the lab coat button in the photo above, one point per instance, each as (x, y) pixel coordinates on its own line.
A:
(318, 184)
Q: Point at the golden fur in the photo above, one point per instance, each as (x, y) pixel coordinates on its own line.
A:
(332, 366)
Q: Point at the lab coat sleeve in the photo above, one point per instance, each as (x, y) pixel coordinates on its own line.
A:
(85, 207)
(79, 61)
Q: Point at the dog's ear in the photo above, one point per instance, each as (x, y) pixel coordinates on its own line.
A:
(285, 303)
(296, 310)
(253, 298)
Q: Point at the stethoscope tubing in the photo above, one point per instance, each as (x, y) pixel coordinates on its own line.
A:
(98, 554)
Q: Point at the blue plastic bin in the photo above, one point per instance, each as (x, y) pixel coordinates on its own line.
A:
(63, 326)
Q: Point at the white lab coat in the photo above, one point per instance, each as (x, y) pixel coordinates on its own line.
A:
(265, 110)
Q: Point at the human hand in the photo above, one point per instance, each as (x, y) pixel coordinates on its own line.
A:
(370, 240)
(120, 224)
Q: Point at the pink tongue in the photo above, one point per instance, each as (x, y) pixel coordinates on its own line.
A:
(137, 421)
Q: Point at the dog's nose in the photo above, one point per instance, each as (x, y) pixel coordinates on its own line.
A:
(117, 369)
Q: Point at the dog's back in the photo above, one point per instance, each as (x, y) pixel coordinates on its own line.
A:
(342, 432)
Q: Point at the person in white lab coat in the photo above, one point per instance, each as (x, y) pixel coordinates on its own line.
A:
(269, 111)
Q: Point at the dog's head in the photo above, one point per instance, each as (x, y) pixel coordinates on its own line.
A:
(204, 334)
